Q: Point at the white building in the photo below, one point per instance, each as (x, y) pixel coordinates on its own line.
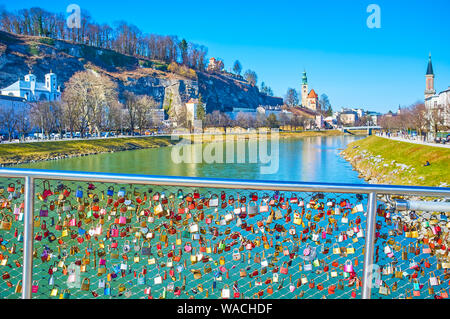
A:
(14, 106)
(191, 110)
(157, 116)
(435, 101)
(31, 90)
(278, 111)
(441, 102)
(236, 110)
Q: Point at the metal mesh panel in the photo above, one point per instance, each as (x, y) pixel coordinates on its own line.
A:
(166, 242)
(11, 237)
(411, 253)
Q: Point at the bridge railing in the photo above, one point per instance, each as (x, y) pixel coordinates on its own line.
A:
(99, 235)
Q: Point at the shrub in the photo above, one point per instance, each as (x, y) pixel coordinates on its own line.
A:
(48, 41)
(33, 49)
(182, 70)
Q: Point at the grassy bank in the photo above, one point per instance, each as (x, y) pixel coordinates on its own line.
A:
(11, 154)
(383, 161)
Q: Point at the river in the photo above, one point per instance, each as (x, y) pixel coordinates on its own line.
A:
(307, 159)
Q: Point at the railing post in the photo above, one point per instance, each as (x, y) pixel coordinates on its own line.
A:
(27, 274)
(369, 246)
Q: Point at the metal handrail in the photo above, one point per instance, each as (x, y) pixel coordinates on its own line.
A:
(372, 190)
(225, 183)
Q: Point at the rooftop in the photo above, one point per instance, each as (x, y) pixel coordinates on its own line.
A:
(12, 98)
(430, 66)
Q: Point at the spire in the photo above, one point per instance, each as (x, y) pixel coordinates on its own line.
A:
(304, 78)
(430, 66)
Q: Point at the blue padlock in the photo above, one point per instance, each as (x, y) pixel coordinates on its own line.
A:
(121, 192)
(79, 192)
(107, 290)
(110, 191)
(141, 279)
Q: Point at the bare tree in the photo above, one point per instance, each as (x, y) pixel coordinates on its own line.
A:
(291, 97)
(437, 119)
(145, 104)
(251, 77)
(23, 122)
(180, 117)
(44, 115)
(418, 119)
(245, 120)
(8, 121)
(86, 101)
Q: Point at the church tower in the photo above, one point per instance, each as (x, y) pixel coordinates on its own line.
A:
(429, 85)
(304, 89)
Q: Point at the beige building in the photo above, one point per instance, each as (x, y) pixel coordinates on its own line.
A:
(215, 65)
(348, 117)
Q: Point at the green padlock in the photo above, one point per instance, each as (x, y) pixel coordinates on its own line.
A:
(66, 294)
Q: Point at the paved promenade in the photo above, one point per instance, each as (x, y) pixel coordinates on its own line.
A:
(414, 141)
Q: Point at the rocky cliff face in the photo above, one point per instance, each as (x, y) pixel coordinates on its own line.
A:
(223, 93)
(20, 55)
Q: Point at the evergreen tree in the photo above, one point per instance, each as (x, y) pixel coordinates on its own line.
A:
(200, 109)
(272, 121)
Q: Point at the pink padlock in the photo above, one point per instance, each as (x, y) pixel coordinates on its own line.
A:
(35, 287)
(348, 266)
(306, 251)
(114, 231)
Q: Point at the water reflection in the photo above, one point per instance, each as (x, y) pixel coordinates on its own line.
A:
(312, 159)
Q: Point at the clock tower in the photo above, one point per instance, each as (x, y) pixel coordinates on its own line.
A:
(304, 89)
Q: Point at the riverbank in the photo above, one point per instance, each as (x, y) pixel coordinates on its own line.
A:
(384, 161)
(22, 153)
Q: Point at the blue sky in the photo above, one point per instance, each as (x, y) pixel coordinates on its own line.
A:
(376, 69)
